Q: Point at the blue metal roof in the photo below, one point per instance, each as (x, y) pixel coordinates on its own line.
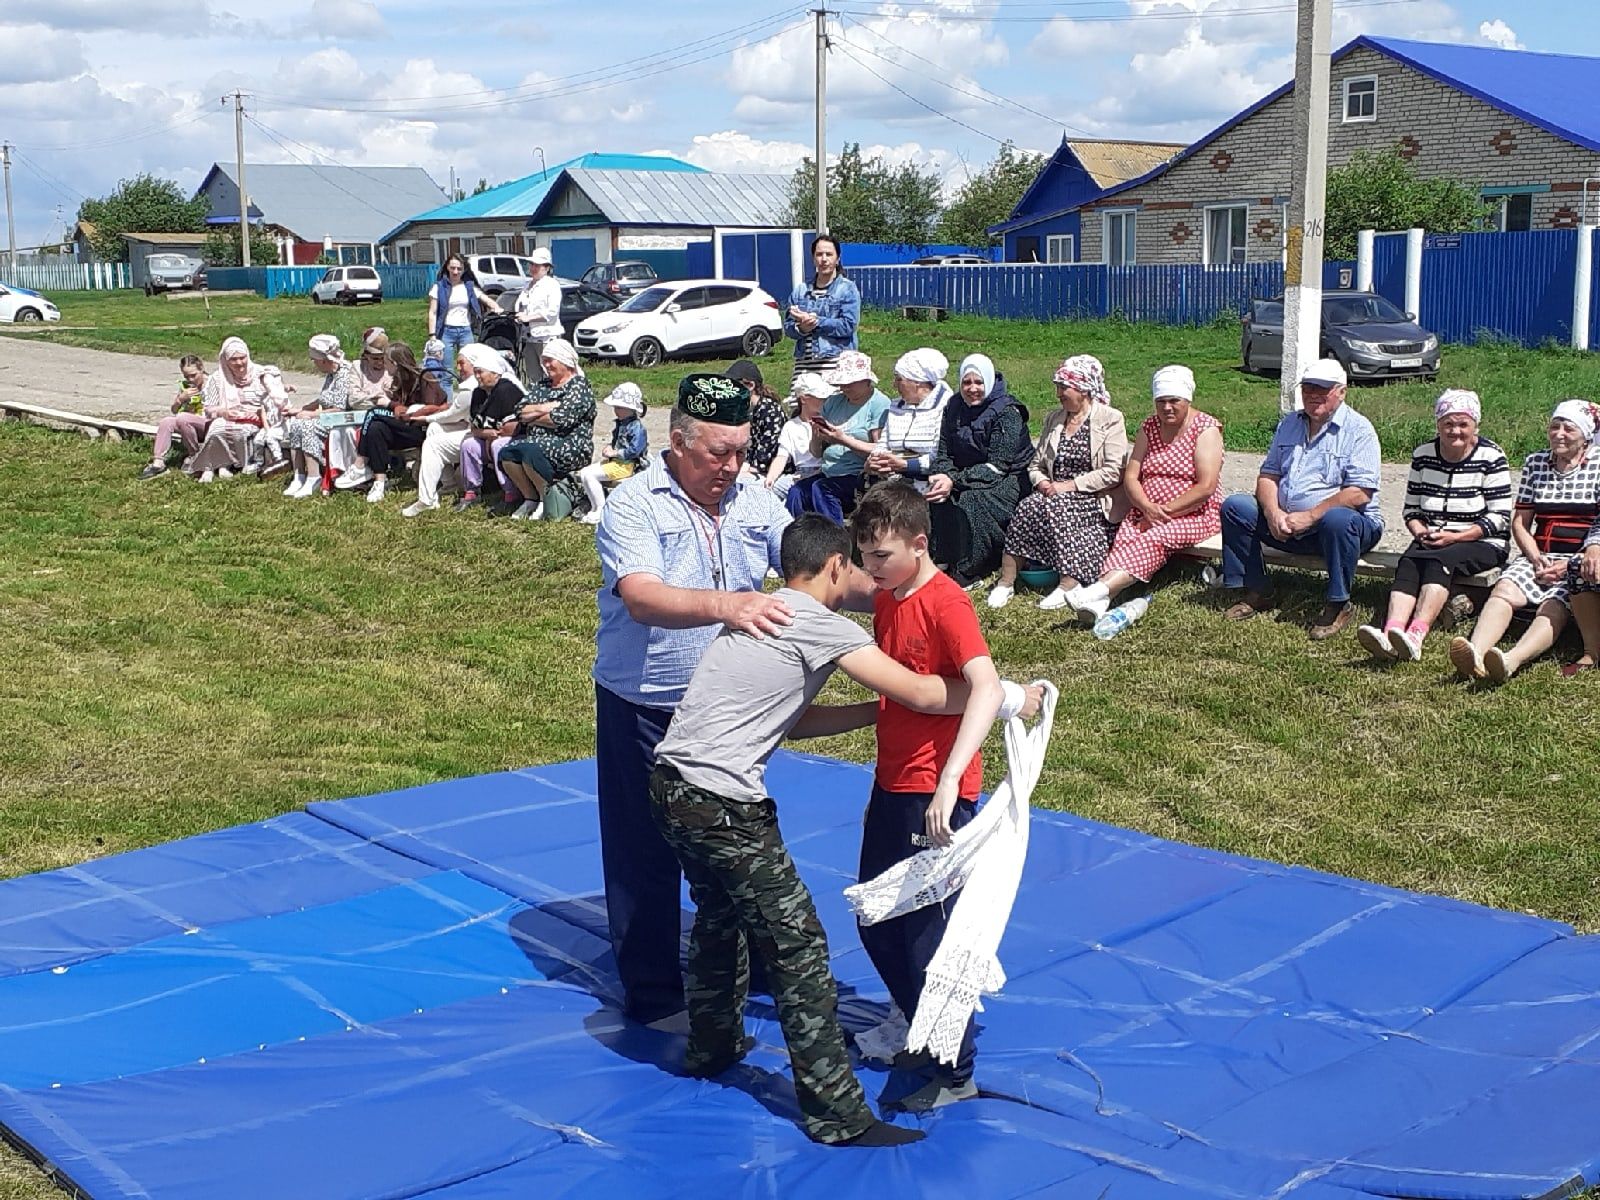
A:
(1551, 91)
(1556, 92)
(522, 197)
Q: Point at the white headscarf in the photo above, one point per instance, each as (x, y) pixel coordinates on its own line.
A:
(1457, 400)
(486, 358)
(325, 345)
(926, 365)
(980, 365)
(809, 383)
(1175, 380)
(560, 350)
(1582, 414)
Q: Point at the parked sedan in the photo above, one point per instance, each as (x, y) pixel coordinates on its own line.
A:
(23, 307)
(1367, 334)
(693, 316)
(348, 285)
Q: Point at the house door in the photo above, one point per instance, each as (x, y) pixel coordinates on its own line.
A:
(572, 256)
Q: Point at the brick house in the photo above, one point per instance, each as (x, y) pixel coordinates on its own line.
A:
(1524, 128)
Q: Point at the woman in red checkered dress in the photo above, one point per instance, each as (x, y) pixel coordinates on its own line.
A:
(1172, 484)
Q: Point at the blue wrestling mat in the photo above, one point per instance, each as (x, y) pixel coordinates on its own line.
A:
(411, 995)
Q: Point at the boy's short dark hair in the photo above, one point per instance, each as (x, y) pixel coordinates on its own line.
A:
(809, 542)
(893, 506)
(189, 360)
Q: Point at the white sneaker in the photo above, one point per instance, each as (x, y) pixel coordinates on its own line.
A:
(353, 478)
(1407, 647)
(1375, 642)
(416, 508)
(251, 468)
(1056, 599)
(528, 510)
(1092, 606)
(224, 473)
(306, 489)
(294, 485)
(593, 518)
(207, 476)
(375, 492)
(1000, 595)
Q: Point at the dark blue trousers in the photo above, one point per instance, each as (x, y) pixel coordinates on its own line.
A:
(831, 495)
(1339, 539)
(901, 948)
(643, 879)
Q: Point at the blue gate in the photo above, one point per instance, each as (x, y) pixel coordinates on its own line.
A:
(774, 269)
(572, 256)
(739, 256)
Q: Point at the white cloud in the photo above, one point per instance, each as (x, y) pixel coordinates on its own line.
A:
(733, 151)
(347, 20)
(1498, 33)
(34, 54)
(1197, 81)
(189, 18)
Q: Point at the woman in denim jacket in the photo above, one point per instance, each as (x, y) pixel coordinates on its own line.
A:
(822, 315)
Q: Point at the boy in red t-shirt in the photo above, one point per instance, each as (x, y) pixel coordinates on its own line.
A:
(929, 768)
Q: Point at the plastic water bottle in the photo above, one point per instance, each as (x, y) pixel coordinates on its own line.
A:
(1119, 618)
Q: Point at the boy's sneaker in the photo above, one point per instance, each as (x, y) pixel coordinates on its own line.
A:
(936, 1093)
(154, 470)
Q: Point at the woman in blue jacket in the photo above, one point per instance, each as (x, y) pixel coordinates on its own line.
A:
(822, 315)
(455, 303)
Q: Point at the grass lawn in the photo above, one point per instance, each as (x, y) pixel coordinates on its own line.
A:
(1519, 387)
(177, 658)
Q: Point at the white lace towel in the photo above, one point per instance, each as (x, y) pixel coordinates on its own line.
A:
(984, 861)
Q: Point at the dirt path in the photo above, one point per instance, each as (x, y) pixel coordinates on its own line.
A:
(103, 383)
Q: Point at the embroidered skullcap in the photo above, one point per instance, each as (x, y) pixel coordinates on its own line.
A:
(1457, 400)
(1085, 373)
(926, 365)
(852, 367)
(325, 345)
(626, 395)
(980, 365)
(715, 399)
(1580, 413)
(1175, 380)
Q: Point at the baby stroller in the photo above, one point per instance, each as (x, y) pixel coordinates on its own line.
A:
(500, 331)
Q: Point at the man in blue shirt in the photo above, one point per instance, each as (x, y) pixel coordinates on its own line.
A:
(1316, 495)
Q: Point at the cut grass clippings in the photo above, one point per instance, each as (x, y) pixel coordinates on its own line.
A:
(1519, 387)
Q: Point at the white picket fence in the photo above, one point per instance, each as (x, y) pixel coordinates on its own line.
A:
(69, 276)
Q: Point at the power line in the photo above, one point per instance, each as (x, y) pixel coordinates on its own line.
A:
(628, 71)
(328, 179)
(920, 103)
(49, 180)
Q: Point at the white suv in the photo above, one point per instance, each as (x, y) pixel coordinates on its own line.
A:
(690, 316)
(347, 285)
(501, 272)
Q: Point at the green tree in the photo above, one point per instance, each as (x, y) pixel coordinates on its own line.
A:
(868, 200)
(143, 204)
(483, 186)
(1379, 190)
(221, 247)
(987, 198)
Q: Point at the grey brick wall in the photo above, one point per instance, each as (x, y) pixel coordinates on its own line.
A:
(1444, 132)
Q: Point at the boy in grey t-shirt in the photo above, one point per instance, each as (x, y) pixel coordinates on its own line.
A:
(707, 796)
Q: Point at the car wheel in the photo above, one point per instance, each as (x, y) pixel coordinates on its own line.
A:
(315, 299)
(1249, 367)
(646, 352)
(28, 315)
(350, 300)
(757, 342)
(148, 290)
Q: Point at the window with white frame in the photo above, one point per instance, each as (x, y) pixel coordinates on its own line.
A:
(1060, 248)
(1515, 212)
(1225, 235)
(402, 252)
(1119, 238)
(1361, 99)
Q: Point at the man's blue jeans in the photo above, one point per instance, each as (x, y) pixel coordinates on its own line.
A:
(1339, 539)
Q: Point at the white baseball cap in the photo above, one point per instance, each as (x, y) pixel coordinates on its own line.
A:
(1325, 372)
(541, 255)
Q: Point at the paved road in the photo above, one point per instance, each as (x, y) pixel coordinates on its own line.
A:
(104, 383)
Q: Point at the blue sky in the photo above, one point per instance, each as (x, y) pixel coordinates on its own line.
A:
(95, 90)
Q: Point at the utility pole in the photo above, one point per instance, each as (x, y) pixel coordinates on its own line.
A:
(244, 197)
(822, 119)
(11, 223)
(1302, 291)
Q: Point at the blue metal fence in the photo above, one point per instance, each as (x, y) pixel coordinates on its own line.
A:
(1510, 285)
(400, 281)
(886, 254)
(1169, 295)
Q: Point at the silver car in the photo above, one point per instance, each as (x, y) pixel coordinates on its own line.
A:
(348, 285)
(172, 273)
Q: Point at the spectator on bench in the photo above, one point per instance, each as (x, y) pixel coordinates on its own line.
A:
(401, 423)
(1316, 495)
(1558, 502)
(1583, 586)
(1458, 510)
(188, 420)
(554, 429)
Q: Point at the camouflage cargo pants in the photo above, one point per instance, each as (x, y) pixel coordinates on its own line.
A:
(746, 891)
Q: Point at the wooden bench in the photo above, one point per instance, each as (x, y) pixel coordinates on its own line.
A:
(94, 426)
(924, 312)
(1377, 562)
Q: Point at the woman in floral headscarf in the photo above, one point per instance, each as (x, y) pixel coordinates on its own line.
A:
(303, 435)
(238, 397)
(1458, 512)
(1068, 521)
